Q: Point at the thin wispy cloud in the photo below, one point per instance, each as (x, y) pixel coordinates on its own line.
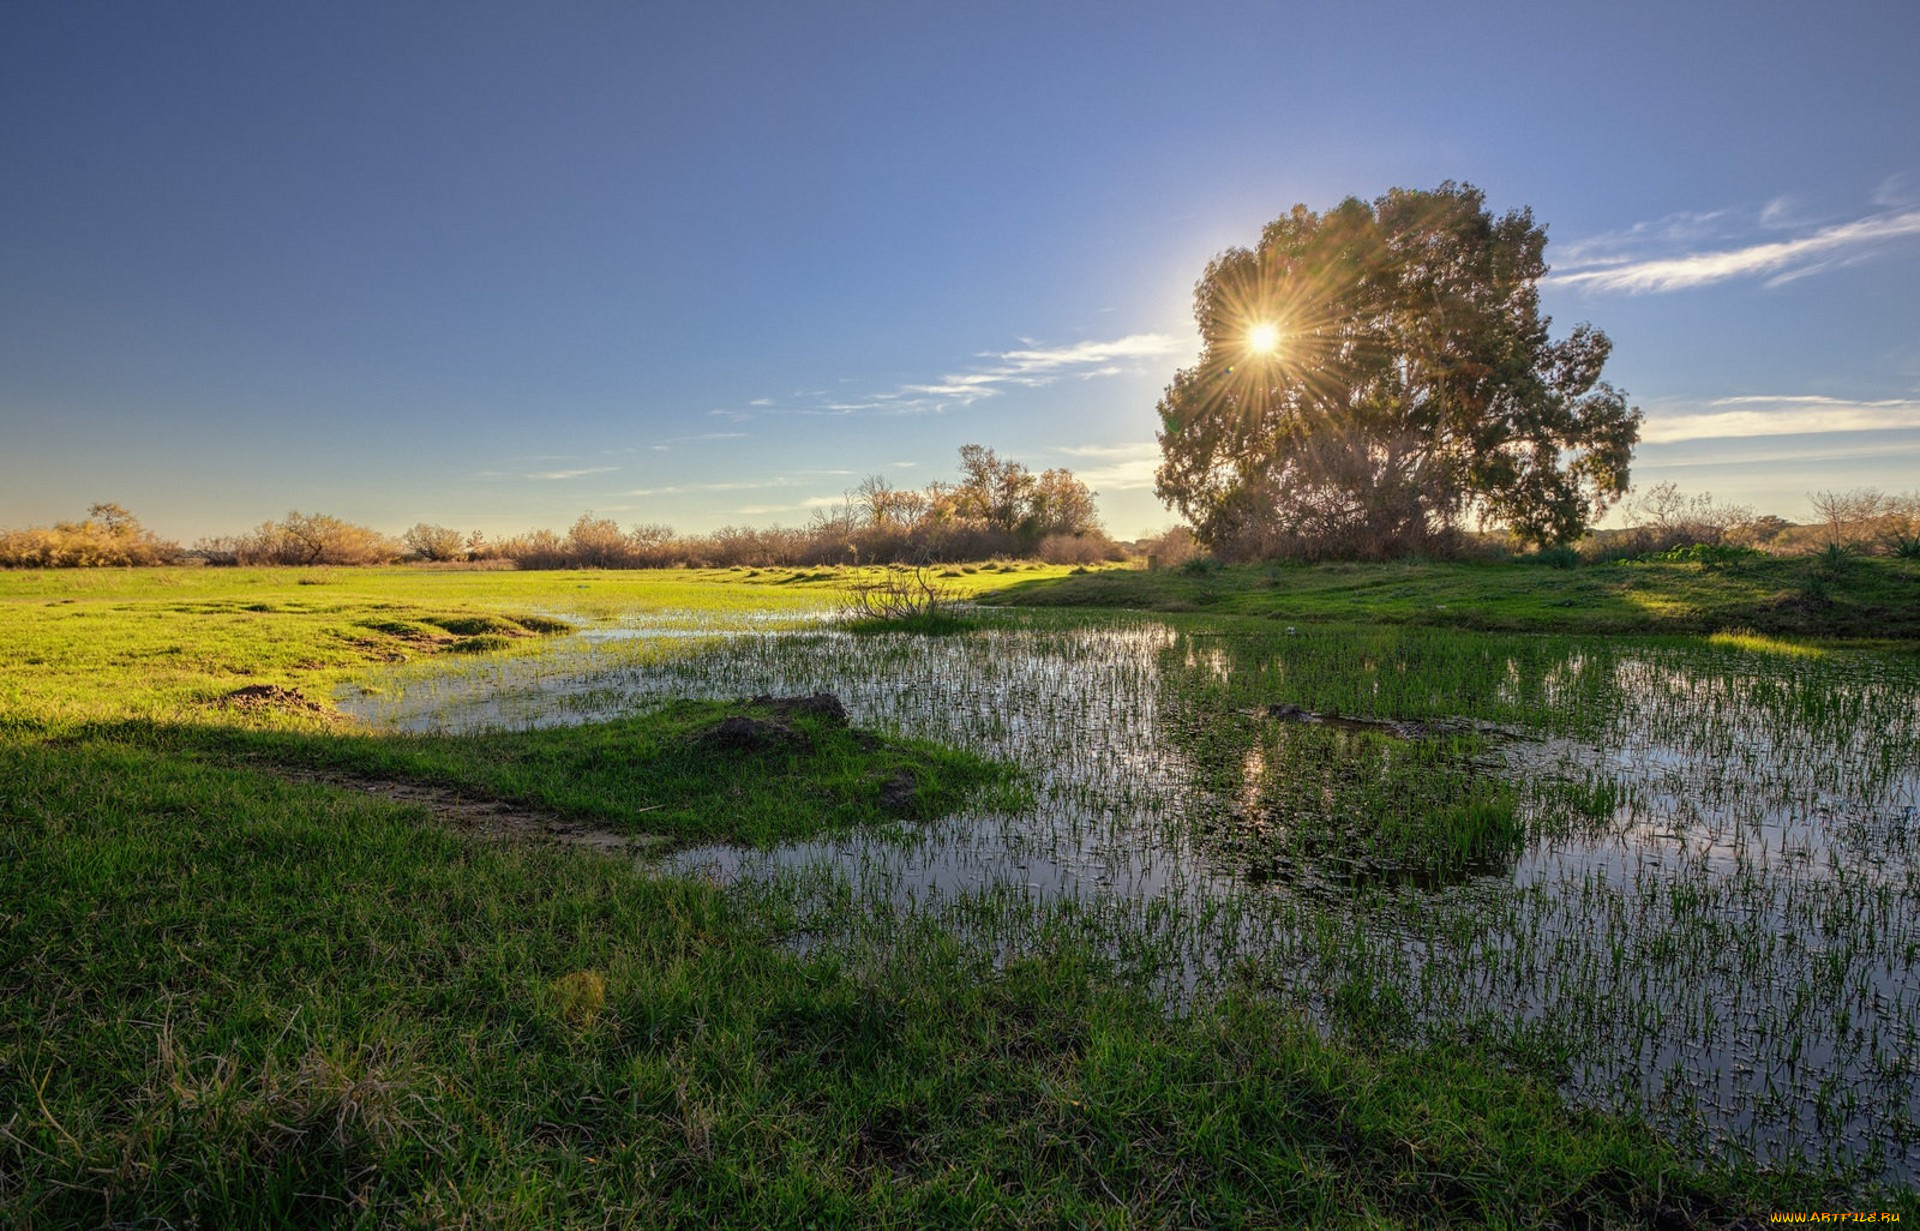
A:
(1898, 190)
(966, 386)
(681, 489)
(1783, 213)
(572, 474)
(1620, 247)
(1133, 346)
(1779, 416)
(1031, 366)
(1607, 264)
(801, 506)
(1794, 456)
(667, 445)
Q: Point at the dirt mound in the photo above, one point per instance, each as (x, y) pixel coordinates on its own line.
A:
(271, 698)
(740, 733)
(820, 705)
(746, 733)
(900, 794)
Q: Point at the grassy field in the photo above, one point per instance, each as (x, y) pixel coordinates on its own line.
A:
(243, 987)
(1806, 596)
(158, 642)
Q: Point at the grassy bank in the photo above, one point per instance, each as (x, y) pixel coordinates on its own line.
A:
(1853, 597)
(235, 995)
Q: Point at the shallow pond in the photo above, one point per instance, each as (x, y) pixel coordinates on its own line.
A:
(1707, 906)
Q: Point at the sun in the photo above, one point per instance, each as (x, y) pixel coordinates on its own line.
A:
(1264, 338)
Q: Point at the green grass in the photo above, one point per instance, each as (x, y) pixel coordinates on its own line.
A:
(1324, 807)
(88, 644)
(236, 1001)
(923, 624)
(234, 996)
(650, 773)
(1782, 597)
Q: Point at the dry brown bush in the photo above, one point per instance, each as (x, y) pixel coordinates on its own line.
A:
(597, 542)
(1866, 519)
(314, 538)
(1095, 548)
(109, 537)
(900, 592)
(221, 550)
(999, 508)
(438, 544)
(536, 549)
(1170, 548)
(1762, 533)
(1663, 517)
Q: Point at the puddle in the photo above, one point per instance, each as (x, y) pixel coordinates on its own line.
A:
(1724, 932)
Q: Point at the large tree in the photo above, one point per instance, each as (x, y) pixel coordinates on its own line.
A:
(1004, 495)
(1374, 375)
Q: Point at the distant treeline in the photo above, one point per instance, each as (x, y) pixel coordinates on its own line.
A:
(1664, 520)
(997, 508)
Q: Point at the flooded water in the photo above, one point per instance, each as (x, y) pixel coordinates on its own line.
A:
(1710, 910)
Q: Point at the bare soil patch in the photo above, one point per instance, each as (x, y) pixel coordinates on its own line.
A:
(484, 816)
(264, 698)
(744, 733)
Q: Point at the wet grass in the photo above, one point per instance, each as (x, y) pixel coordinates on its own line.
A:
(922, 624)
(231, 998)
(1674, 873)
(1333, 809)
(92, 643)
(1801, 597)
(658, 773)
(286, 1005)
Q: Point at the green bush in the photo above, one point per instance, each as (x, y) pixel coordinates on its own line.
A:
(1707, 554)
(482, 644)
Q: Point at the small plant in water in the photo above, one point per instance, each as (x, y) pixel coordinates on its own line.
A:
(903, 596)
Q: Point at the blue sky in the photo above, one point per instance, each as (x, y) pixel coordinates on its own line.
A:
(492, 266)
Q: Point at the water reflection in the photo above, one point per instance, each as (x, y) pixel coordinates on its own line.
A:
(1710, 905)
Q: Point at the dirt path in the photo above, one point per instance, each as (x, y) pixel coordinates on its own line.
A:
(479, 815)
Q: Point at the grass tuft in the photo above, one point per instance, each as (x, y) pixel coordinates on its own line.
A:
(485, 643)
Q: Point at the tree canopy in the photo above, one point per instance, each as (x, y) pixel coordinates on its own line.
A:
(1004, 495)
(1374, 375)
